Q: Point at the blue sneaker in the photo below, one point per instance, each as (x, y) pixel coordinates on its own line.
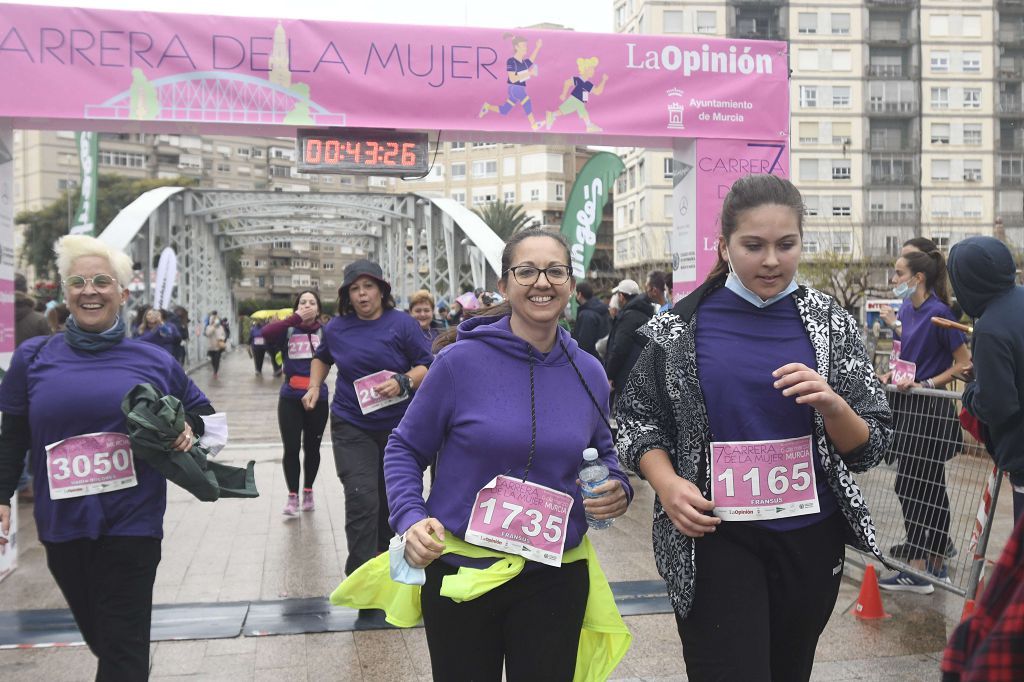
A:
(906, 582)
(942, 574)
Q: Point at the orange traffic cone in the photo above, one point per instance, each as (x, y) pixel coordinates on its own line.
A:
(869, 603)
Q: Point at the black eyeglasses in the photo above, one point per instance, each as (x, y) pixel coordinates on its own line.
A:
(527, 275)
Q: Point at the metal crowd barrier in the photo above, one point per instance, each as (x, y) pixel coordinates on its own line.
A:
(933, 495)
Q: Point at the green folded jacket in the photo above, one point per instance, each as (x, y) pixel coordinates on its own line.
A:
(154, 422)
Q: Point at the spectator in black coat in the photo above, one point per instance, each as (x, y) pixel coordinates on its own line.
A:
(624, 344)
(592, 319)
(983, 275)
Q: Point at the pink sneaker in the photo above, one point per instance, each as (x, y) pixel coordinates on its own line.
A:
(307, 499)
(292, 507)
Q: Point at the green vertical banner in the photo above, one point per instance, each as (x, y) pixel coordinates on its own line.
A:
(585, 208)
(84, 221)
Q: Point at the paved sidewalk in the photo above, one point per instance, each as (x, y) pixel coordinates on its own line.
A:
(241, 550)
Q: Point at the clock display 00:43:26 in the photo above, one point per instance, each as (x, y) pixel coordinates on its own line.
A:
(368, 152)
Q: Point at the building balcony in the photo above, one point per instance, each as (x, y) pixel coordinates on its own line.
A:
(892, 217)
(892, 108)
(766, 34)
(1012, 34)
(907, 146)
(891, 71)
(1011, 71)
(1011, 219)
(892, 177)
(889, 36)
(1011, 104)
(757, 3)
(1017, 5)
(891, 4)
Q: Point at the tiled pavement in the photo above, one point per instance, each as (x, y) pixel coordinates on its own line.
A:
(241, 550)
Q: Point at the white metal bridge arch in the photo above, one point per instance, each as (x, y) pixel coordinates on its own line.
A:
(421, 242)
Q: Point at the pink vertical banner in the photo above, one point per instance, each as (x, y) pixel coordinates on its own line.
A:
(705, 170)
(6, 244)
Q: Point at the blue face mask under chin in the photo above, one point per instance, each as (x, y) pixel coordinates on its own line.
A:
(903, 290)
(736, 286)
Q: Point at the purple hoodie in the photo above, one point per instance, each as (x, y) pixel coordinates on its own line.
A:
(473, 413)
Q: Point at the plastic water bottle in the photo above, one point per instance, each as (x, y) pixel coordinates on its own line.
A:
(592, 474)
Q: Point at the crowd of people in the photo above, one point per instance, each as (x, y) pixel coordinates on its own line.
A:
(500, 402)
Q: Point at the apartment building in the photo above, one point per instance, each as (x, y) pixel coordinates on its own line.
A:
(906, 119)
(46, 162)
(539, 177)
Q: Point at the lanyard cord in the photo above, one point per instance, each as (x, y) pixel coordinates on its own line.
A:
(579, 375)
(533, 415)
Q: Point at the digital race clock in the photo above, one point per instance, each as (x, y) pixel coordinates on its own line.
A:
(365, 151)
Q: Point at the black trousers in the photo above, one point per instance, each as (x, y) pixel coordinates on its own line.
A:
(762, 600)
(259, 352)
(108, 583)
(214, 356)
(531, 624)
(299, 427)
(359, 458)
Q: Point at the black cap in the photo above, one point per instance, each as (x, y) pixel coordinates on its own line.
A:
(360, 268)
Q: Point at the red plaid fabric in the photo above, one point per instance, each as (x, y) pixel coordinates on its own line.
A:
(989, 646)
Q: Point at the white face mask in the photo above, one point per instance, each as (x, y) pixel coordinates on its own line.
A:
(734, 284)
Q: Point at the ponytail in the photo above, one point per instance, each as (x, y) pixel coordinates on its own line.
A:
(933, 266)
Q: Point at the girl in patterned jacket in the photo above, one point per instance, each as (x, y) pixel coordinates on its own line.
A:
(748, 411)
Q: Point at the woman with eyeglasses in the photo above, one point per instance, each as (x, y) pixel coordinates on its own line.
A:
(382, 357)
(748, 411)
(507, 410)
(98, 511)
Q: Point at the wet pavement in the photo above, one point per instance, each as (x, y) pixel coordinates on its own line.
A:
(237, 551)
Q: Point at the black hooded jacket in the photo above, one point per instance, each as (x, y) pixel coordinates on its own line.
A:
(983, 275)
(624, 344)
(592, 324)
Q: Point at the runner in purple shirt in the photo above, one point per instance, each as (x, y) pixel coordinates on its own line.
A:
(519, 68)
(298, 336)
(99, 512)
(927, 427)
(383, 351)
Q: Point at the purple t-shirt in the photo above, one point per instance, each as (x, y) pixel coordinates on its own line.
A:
(580, 87)
(66, 392)
(921, 342)
(278, 335)
(738, 348)
(392, 342)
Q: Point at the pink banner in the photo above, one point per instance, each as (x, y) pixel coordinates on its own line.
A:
(61, 65)
(715, 166)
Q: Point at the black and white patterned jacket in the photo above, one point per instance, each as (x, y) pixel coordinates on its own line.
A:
(663, 407)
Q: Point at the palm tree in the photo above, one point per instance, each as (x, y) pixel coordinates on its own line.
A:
(504, 218)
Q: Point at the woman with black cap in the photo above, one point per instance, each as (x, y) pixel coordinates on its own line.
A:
(382, 356)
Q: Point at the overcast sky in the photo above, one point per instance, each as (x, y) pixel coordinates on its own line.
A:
(580, 15)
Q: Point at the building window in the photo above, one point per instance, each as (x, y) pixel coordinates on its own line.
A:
(641, 172)
(122, 159)
(632, 213)
(940, 133)
(484, 198)
(840, 23)
(842, 60)
(808, 132)
(811, 205)
(972, 170)
(807, 22)
(669, 168)
(840, 96)
(559, 191)
(940, 62)
(667, 207)
(64, 183)
(631, 174)
(642, 209)
(971, 25)
(459, 197)
(840, 169)
(842, 132)
(971, 62)
(808, 169)
(807, 60)
(706, 22)
(458, 145)
(534, 194)
(808, 96)
(458, 170)
(972, 133)
(485, 169)
(672, 21)
(941, 208)
(938, 25)
(509, 196)
(972, 98)
(940, 170)
(940, 98)
(841, 206)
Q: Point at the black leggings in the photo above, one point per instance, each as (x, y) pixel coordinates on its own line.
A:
(761, 600)
(301, 427)
(259, 352)
(214, 356)
(531, 624)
